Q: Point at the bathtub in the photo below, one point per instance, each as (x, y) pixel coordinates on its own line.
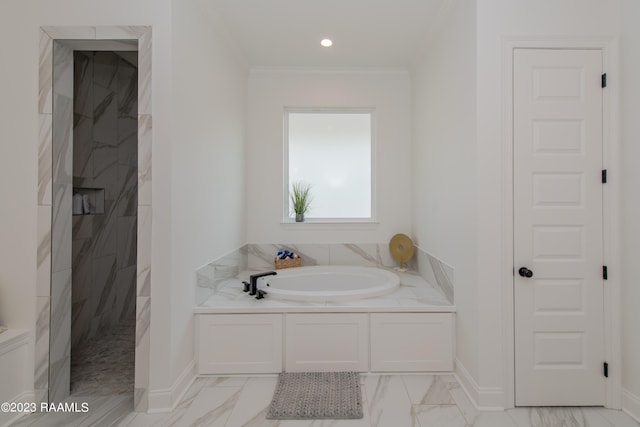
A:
(329, 283)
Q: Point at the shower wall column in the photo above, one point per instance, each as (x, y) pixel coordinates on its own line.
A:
(62, 151)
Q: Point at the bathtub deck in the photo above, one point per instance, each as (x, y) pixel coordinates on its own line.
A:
(415, 295)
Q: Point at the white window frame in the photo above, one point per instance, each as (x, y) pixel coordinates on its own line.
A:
(286, 216)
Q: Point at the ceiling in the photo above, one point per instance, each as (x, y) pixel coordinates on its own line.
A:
(365, 33)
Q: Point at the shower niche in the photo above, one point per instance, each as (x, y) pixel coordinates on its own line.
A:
(88, 201)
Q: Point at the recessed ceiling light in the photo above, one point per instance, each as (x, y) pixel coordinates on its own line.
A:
(326, 43)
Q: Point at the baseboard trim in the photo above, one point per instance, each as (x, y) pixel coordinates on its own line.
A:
(483, 398)
(631, 404)
(166, 400)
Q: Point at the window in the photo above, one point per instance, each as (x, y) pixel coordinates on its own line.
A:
(332, 151)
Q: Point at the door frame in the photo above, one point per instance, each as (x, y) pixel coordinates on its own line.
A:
(611, 207)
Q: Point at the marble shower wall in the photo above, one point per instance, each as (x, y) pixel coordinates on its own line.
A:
(105, 156)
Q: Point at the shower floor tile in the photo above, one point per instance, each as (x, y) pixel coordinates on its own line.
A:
(105, 365)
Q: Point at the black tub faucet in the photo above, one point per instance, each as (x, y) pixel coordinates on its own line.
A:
(253, 280)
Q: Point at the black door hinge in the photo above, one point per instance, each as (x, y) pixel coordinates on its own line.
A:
(605, 272)
(606, 370)
(604, 176)
(604, 80)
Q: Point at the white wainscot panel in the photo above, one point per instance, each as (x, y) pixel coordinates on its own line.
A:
(408, 342)
(327, 342)
(239, 344)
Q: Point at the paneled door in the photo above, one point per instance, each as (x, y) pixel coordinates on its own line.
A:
(558, 227)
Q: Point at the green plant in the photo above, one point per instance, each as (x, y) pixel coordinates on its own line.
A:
(300, 196)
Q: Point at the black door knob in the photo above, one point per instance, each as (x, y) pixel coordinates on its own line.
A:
(525, 272)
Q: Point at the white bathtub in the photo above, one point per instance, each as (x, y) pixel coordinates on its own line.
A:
(329, 283)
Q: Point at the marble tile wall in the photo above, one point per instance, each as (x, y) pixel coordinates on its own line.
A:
(261, 256)
(435, 272)
(213, 275)
(54, 251)
(105, 156)
(62, 157)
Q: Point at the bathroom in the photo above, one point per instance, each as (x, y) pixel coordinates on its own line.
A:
(217, 142)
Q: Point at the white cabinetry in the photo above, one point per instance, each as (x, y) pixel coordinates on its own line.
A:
(327, 342)
(363, 342)
(411, 342)
(239, 343)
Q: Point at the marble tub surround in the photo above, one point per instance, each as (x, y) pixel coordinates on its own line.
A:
(435, 271)
(260, 256)
(212, 276)
(413, 295)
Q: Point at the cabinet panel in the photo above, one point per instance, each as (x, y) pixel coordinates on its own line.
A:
(411, 342)
(239, 344)
(327, 342)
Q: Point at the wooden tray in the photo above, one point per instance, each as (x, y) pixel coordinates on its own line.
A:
(287, 263)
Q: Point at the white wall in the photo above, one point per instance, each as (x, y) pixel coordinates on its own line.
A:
(209, 121)
(444, 163)
(496, 21)
(18, 167)
(272, 90)
(630, 65)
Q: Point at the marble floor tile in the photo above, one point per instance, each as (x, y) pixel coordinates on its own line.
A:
(438, 416)
(212, 407)
(154, 420)
(253, 402)
(461, 399)
(558, 417)
(428, 390)
(617, 418)
(108, 411)
(388, 401)
(493, 419)
(365, 421)
(225, 381)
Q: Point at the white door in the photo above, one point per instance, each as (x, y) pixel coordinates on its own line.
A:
(558, 232)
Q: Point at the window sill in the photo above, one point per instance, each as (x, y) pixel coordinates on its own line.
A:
(324, 223)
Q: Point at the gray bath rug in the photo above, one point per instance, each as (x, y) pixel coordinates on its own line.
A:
(316, 395)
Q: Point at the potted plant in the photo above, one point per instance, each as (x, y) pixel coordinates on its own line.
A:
(300, 199)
